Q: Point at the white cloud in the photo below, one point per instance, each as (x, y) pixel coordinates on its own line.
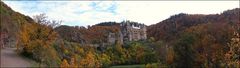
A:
(85, 13)
(150, 12)
(81, 12)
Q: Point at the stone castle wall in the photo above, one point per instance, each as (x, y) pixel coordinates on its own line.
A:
(129, 31)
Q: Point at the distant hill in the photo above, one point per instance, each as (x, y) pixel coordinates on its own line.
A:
(107, 24)
(93, 34)
(170, 28)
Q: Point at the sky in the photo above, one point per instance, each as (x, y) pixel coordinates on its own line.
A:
(83, 13)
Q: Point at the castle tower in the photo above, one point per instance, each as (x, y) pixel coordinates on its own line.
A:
(129, 31)
(120, 38)
(144, 32)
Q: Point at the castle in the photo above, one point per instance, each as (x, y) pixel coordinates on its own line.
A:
(129, 31)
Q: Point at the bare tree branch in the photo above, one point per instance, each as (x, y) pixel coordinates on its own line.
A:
(43, 20)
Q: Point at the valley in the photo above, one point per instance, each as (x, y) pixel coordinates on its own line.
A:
(183, 41)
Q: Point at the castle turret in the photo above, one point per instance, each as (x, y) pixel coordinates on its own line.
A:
(144, 32)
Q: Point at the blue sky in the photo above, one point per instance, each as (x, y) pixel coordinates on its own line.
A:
(83, 13)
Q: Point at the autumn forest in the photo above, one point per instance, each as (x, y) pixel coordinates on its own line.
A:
(182, 41)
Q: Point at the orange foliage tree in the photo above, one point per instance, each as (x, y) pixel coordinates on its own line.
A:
(89, 60)
(64, 64)
(35, 41)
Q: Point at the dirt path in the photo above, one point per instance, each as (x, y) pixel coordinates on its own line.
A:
(9, 58)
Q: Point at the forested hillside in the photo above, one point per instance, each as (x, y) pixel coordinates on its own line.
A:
(32, 39)
(95, 34)
(11, 22)
(200, 40)
(170, 28)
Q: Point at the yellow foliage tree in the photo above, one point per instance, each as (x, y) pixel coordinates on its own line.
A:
(24, 36)
(89, 60)
(64, 64)
(35, 41)
(73, 62)
(105, 59)
(170, 56)
(232, 56)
